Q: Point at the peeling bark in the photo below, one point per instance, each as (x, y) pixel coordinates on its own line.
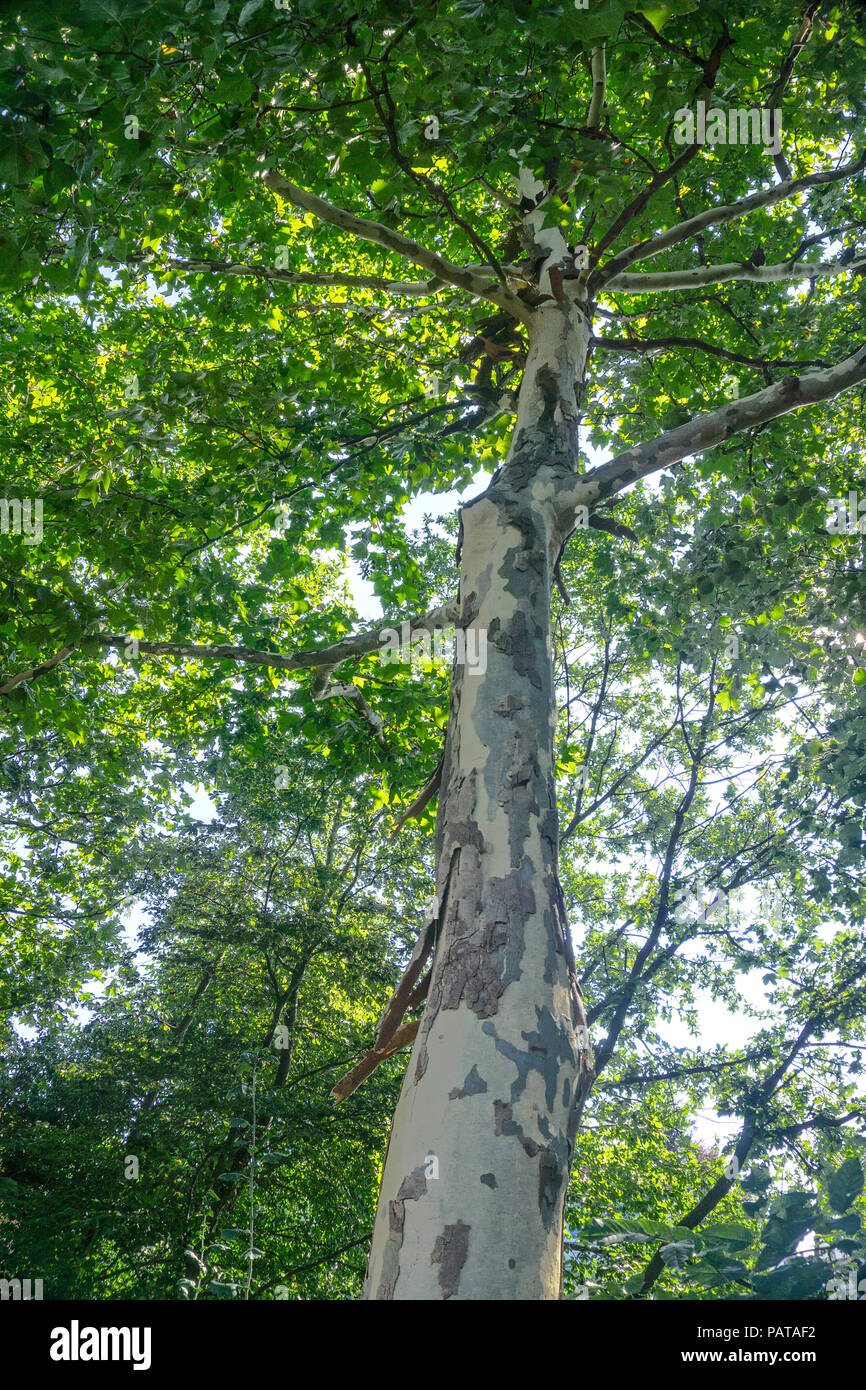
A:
(499, 1067)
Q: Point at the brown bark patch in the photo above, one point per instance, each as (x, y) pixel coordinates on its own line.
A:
(391, 1256)
(450, 1252)
(413, 1186)
(479, 966)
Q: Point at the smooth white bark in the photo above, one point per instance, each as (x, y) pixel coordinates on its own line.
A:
(477, 1165)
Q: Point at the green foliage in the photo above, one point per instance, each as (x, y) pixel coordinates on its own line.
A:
(219, 405)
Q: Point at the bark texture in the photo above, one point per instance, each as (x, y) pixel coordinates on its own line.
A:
(478, 1161)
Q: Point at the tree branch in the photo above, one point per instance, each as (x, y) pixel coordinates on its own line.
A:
(404, 1035)
(710, 70)
(653, 1078)
(359, 644)
(731, 270)
(605, 1050)
(395, 241)
(631, 210)
(8, 686)
(748, 1134)
(329, 691)
(599, 86)
(654, 34)
(652, 344)
(716, 217)
(297, 277)
(389, 123)
(704, 431)
(803, 35)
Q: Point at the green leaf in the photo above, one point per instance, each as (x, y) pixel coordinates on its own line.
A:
(677, 1254)
(250, 8)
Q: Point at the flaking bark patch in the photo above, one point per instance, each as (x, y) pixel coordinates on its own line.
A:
(481, 964)
(391, 1258)
(550, 1179)
(450, 1252)
(414, 1185)
(508, 707)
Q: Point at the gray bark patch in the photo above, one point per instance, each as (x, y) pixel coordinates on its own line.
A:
(521, 642)
(450, 1252)
(550, 1177)
(474, 1085)
(505, 1123)
(517, 792)
(546, 1050)
(524, 642)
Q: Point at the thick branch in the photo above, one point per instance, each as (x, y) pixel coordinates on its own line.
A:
(395, 241)
(404, 1035)
(297, 277)
(329, 691)
(8, 686)
(359, 644)
(730, 270)
(599, 84)
(716, 217)
(704, 431)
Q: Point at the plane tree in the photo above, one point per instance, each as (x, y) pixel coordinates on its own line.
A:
(296, 263)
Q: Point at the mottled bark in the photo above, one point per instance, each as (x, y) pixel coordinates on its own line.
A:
(478, 1161)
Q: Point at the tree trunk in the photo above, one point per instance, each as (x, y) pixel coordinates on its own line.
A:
(478, 1161)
